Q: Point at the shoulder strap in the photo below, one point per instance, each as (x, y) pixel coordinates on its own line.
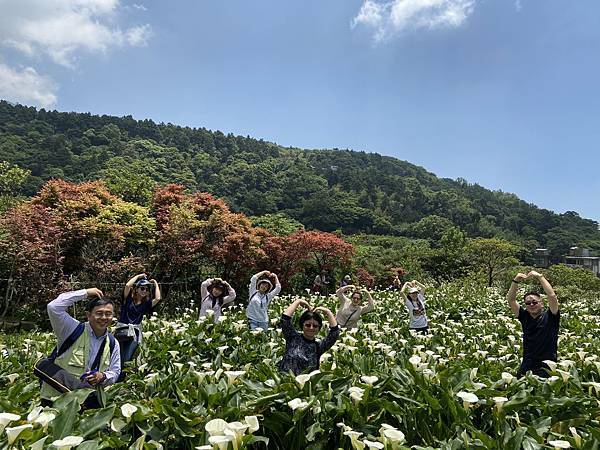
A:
(261, 300)
(111, 346)
(350, 317)
(96, 364)
(66, 345)
(111, 342)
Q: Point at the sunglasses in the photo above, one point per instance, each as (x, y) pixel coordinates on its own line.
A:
(534, 302)
(143, 288)
(311, 325)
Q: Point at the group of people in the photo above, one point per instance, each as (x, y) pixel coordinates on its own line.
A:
(82, 348)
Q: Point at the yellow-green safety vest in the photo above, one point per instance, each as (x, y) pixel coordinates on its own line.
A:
(75, 360)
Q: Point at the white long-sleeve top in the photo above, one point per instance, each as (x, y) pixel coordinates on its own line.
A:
(258, 304)
(418, 319)
(63, 325)
(206, 302)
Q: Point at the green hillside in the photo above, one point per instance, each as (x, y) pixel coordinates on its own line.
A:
(355, 192)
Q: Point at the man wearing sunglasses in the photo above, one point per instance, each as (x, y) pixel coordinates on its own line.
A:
(540, 326)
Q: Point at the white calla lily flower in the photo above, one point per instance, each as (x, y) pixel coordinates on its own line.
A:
(39, 444)
(67, 443)
(216, 427)
(507, 378)
(297, 403)
(253, 423)
(45, 418)
(117, 425)
(560, 444)
(468, 398)
(221, 441)
(232, 375)
(6, 418)
(12, 377)
(393, 435)
(369, 380)
(415, 360)
(374, 445)
(35, 412)
(128, 410)
(12, 433)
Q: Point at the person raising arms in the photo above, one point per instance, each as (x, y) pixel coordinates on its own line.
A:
(215, 293)
(138, 301)
(261, 292)
(540, 326)
(351, 310)
(414, 298)
(302, 350)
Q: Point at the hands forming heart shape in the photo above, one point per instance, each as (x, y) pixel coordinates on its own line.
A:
(309, 307)
(531, 274)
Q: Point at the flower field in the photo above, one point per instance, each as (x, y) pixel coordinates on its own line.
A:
(204, 385)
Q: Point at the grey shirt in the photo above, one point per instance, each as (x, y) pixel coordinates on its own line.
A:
(63, 325)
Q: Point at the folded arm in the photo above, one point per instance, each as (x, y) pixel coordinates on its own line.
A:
(370, 306)
(63, 324)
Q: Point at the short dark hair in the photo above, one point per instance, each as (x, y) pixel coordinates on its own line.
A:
(357, 292)
(308, 315)
(98, 301)
(534, 293)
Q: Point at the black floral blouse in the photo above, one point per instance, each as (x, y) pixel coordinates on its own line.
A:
(302, 354)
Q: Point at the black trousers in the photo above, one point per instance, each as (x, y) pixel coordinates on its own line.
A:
(91, 402)
(536, 367)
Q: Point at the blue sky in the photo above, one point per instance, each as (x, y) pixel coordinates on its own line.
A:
(501, 93)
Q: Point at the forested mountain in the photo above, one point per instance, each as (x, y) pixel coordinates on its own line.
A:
(323, 189)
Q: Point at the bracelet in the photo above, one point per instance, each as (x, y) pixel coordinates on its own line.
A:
(516, 282)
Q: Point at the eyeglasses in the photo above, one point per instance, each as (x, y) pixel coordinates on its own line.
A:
(311, 325)
(532, 303)
(99, 315)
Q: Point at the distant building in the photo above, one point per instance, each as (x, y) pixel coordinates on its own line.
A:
(541, 258)
(580, 257)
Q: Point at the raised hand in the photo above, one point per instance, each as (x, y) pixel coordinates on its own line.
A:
(534, 274)
(94, 292)
(305, 304)
(324, 309)
(521, 276)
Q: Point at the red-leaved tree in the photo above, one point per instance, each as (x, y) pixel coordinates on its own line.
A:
(31, 258)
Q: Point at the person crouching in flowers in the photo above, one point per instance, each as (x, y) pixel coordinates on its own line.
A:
(261, 292)
(540, 327)
(351, 310)
(414, 297)
(215, 293)
(303, 350)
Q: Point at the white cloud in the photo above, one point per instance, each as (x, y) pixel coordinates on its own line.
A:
(140, 7)
(518, 5)
(388, 18)
(26, 86)
(61, 28)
